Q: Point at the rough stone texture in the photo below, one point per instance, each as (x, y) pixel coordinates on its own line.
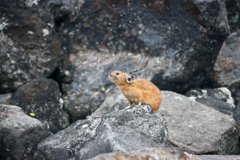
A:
(29, 44)
(174, 44)
(227, 69)
(227, 66)
(218, 157)
(19, 133)
(4, 98)
(236, 115)
(41, 98)
(192, 126)
(233, 10)
(197, 128)
(220, 99)
(161, 154)
(149, 153)
(121, 131)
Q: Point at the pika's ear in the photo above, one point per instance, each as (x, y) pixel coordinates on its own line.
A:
(130, 79)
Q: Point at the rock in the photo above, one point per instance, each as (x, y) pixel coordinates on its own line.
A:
(192, 126)
(218, 157)
(220, 99)
(227, 66)
(41, 99)
(161, 153)
(4, 98)
(174, 45)
(121, 131)
(233, 10)
(236, 115)
(19, 133)
(30, 46)
(197, 128)
(149, 153)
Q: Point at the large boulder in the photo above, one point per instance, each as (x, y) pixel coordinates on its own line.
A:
(42, 99)
(121, 131)
(19, 133)
(192, 126)
(30, 46)
(173, 43)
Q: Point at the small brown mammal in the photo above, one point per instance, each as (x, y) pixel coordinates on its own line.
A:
(137, 91)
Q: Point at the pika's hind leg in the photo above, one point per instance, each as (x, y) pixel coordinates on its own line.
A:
(139, 104)
(130, 105)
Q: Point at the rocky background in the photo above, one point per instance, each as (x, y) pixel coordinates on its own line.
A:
(56, 101)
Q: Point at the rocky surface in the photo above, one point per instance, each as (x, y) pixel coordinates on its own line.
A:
(220, 99)
(227, 66)
(149, 153)
(41, 99)
(227, 69)
(4, 98)
(218, 157)
(30, 46)
(19, 133)
(233, 10)
(192, 126)
(236, 115)
(121, 131)
(161, 154)
(173, 43)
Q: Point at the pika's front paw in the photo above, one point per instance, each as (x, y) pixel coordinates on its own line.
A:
(128, 107)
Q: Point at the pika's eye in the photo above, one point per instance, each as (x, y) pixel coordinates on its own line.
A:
(117, 73)
(129, 79)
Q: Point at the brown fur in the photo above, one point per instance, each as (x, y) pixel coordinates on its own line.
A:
(138, 91)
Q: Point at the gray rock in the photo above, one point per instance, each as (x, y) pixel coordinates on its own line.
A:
(149, 153)
(121, 131)
(197, 128)
(19, 133)
(236, 115)
(218, 157)
(4, 98)
(227, 66)
(42, 99)
(192, 126)
(160, 154)
(30, 46)
(220, 99)
(174, 45)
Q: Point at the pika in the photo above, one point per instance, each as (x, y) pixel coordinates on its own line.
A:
(137, 91)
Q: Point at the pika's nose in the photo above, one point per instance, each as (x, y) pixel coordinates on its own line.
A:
(109, 74)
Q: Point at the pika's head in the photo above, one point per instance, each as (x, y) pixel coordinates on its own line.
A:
(120, 77)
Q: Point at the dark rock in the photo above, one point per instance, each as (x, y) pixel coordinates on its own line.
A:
(173, 43)
(121, 131)
(41, 99)
(227, 66)
(30, 46)
(220, 99)
(192, 126)
(233, 10)
(19, 133)
(236, 116)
